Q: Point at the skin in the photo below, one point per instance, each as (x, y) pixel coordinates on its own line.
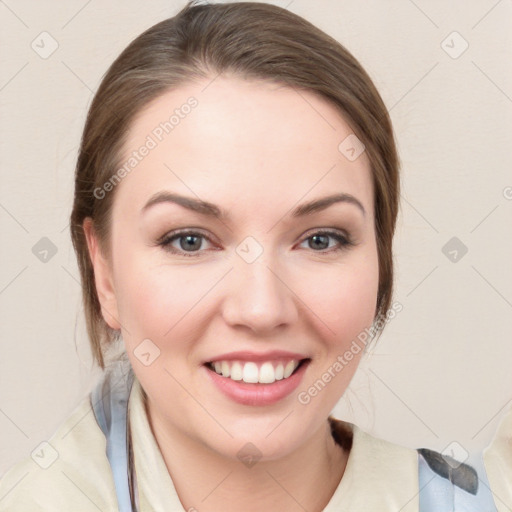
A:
(257, 150)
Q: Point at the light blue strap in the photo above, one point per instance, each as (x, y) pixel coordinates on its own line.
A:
(446, 486)
(110, 405)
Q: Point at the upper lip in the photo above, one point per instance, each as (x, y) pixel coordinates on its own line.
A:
(245, 355)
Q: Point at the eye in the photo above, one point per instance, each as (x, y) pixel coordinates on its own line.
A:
(319, 241)
(190, 243)
(186, 243)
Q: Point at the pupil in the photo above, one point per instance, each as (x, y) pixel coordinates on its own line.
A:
(189, 244)
(324, 244)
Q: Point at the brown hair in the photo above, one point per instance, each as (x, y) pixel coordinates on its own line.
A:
(251, 40)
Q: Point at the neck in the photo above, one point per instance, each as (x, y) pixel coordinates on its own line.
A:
(303, 480)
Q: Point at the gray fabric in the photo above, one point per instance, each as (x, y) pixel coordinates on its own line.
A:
(449, 486)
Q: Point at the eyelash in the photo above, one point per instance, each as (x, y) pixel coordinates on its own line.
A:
(345, 242)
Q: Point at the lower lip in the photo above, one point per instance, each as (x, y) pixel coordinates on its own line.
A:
(257, 394)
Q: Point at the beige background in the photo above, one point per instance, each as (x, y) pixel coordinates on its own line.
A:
(441, 371)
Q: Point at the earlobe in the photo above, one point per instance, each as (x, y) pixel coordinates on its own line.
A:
(102, 277)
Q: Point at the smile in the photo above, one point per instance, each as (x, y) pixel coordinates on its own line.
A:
(257, 379)
(253, 372)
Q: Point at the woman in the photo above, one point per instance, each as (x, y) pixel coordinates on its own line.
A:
(236, 196)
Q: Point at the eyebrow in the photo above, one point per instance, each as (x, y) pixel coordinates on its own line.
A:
(212, 210)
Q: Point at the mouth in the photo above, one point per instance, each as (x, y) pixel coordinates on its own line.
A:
(257, 381)
(256, 372)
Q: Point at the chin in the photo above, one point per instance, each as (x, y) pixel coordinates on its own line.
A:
(265, 438)
(258, 448)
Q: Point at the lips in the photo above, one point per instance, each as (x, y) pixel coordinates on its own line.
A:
(257, 378)
(246, 355)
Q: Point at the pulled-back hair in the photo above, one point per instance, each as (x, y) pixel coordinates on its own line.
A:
(250, 40)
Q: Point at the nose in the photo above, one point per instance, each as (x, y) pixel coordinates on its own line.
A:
(259, 296)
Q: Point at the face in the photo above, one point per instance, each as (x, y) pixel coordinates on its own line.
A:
(219, 302)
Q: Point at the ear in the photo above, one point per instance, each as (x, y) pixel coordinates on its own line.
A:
(102, 276)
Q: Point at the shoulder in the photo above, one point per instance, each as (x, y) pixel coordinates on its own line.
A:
(382, 454)
(389, 460)
(378, 474)
(70, 471)
(498, 463)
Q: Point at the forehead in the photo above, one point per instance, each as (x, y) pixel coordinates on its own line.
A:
(226, 137)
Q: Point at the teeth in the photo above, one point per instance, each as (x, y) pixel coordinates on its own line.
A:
(279, 371)
(225, 369)
(288, 369)
(236, 371)
(267, 374)
(252, 373)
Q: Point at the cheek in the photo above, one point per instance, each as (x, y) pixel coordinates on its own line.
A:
(159, 301)
(343, 302)
(343, 299)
